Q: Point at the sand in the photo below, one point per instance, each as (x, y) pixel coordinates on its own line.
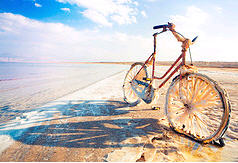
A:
(95, 124)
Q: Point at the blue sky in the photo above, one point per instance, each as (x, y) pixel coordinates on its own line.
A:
(114, 30)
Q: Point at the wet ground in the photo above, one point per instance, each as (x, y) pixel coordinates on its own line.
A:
(94, 124)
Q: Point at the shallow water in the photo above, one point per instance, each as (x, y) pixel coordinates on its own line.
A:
(24, 86)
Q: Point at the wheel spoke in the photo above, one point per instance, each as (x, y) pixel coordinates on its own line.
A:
(200, 119)
(176, 113)
(198, 127)
(184, 94)
(195, 90)
(132, 94)
(194, 128)
(130, 77)
(201, 93)
(205, 95)
(189, 89)
(195, 106)
(181, 118)
(205, 127)
(186, 124)
(206, 105)
(176, 104)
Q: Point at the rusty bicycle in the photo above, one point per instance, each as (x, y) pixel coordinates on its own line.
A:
(195, 106)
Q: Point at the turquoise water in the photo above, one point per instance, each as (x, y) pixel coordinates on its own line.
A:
(24, 86)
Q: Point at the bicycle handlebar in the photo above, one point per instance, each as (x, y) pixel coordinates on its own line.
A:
(186, 42)
(162, 26)
(171, 27)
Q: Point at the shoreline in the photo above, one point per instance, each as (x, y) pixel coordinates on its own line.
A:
(201, 64)
(169, 63)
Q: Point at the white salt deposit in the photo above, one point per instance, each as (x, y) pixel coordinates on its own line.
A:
(5, 142)
(102, 90)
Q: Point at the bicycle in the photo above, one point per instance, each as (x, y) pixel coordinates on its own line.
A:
(192, 100)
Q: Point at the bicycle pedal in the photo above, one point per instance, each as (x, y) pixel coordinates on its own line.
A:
(147, 79)
(156, 108)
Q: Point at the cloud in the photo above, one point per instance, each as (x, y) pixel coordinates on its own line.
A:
(38, 5)
(107, 12)
(96, 17)
(65, 9)
(192, 21)
(30, 40)
(143, 13)
(218, 9)
(189, 24)
(213, 43)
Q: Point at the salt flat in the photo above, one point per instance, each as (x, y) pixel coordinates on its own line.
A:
(95, 124)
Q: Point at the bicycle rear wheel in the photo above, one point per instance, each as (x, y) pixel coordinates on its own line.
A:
(131, 89)
(197, 107)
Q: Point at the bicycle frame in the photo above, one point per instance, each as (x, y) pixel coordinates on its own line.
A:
(196, 95)
(185, 46)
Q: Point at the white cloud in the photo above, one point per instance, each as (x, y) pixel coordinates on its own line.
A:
(210, 45)
(65, 9)
(143, 13)
(107, 12)
(96, 17)
(192, 21)
(218, 9)
(190, 24)
(38, 5)
(30, 40)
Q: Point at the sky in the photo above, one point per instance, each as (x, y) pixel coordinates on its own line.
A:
(115, 30)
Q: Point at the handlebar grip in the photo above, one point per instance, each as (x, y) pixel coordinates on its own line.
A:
(163, 26)
(160, 26)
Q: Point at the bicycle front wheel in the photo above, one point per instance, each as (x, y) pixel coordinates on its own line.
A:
(197, 107)
(131, 89)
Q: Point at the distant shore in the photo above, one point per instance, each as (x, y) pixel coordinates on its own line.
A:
(216, 64)
(168, 63)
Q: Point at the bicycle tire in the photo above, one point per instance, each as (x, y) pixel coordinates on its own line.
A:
(129, 94)
(198, 107)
